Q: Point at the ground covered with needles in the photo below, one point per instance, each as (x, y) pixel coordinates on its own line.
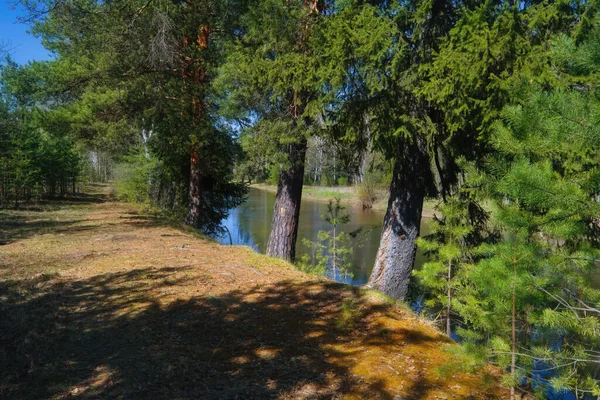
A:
(101, 300)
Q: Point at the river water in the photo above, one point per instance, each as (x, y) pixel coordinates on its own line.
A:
(250, 223)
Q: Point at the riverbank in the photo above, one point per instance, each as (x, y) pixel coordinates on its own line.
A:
(98, 299)
(349, 196)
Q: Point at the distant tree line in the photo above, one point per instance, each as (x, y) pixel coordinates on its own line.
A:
(35, 160)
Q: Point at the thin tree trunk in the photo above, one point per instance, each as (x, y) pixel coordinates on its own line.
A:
(513, 330)
(195, 193)
(334, 253)
(196, 74)
(286, 212)
(448, 307)
(397, 247)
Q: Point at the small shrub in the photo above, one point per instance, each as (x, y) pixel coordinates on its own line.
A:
(332, 252)
(367, 195)
(315, 264)
(133, 179)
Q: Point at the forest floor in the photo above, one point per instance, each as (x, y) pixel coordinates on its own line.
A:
(101, 300)
(349, 196)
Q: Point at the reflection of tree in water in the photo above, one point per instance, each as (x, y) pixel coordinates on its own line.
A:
(249, 224)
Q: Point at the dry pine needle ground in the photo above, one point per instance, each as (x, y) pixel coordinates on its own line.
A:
(99, 300)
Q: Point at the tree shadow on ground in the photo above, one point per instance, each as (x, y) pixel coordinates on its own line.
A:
(57, 202)
(121, 335)
(36, 218)
(17, 227)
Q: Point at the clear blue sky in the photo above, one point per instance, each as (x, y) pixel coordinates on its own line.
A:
(23, 46)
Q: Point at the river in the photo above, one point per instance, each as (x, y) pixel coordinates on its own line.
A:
(250, 223)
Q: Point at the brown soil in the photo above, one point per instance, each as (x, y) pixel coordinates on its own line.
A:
(99, 300)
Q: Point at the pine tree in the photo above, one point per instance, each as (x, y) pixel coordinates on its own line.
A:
(449, 248)
(334, 248)
(269, 84)
(528, 301)
(129, 68)
(448, 85)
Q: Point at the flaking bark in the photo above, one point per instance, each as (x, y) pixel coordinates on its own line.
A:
(397, 248)
(286, 212)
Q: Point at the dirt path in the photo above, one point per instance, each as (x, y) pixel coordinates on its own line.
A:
(98, 300)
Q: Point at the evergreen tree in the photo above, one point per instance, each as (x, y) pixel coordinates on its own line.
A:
(147, 69)
(528, 301)
(447, 85)
(450, 251)
(334, 248)
(270, 83)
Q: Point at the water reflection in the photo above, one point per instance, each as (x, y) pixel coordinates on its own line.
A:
(250, 224)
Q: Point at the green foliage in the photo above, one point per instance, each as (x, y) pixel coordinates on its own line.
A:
(541, 185)
(524, 298)
(131, 75)
(273, 176)
(449, 247)
(367, 194)
(266, 81)
(36, 158)
(133, 178)
(332, 252)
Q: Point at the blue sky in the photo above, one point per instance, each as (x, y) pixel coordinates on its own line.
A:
(23, 46)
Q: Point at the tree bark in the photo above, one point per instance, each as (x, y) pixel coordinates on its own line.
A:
(286, 212)
(401, 226)
(449, 305)
(196, 74)
(195, 193)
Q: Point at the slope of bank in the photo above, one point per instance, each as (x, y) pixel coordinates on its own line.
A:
(348, 196)
(98, 299)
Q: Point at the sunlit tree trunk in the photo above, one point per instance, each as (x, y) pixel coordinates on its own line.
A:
(397, 248)
(196, 74)
(286, 212)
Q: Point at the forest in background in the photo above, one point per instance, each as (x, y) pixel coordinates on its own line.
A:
(489, 106)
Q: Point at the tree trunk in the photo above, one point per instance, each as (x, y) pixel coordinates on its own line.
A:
(286, 212)
(449, 305)
(513, 330)
(193, 217)
(397, 247)
(196, 74)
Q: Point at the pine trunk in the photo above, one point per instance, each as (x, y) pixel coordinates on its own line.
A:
(196, 74)
(397, 247)
(449, 305)
(195, 193)
(286, 212)
(513, 331)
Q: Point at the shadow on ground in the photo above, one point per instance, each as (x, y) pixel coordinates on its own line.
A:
(118, 335)
(29, 219)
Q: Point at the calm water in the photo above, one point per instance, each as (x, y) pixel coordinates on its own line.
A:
(250, 224)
